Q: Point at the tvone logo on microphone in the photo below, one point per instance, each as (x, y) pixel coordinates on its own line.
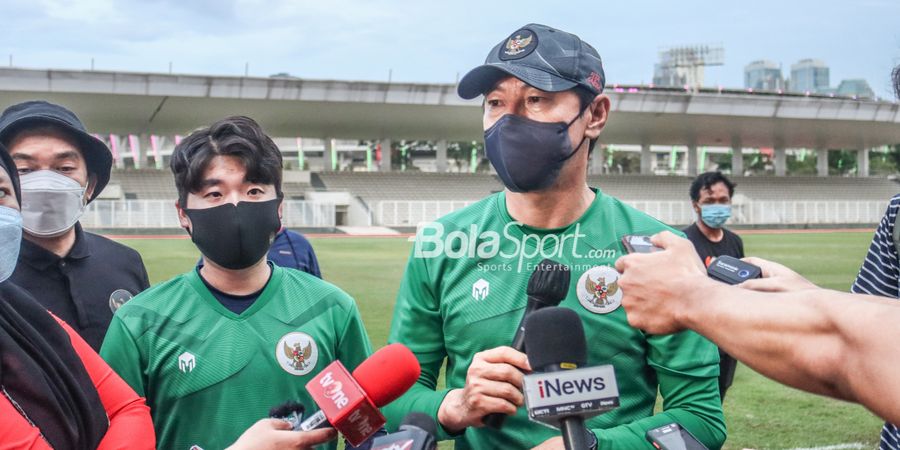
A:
(334, 391)
(549, 388)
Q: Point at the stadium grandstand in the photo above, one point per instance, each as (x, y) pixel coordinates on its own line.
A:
(396, 154)
(402, 199)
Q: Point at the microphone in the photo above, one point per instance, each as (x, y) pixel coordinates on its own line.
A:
(290, 412)
(416, 432)
(548, 286)
(560, 392)
(350, 403)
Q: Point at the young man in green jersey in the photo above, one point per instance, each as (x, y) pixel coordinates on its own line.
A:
(464, 290)
(214, 349)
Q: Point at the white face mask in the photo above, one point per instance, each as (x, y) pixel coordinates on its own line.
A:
(51, 203)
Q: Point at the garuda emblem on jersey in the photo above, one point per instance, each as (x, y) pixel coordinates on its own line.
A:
(601, 290)
(598, 290)
(297, 353)
(299, 357)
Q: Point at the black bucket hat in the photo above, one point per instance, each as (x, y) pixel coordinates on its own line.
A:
(35, 113)
(544, 57)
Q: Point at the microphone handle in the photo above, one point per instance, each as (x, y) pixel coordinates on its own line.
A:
(518, 342)
(574, 434)
(315, 422)
(495, 420)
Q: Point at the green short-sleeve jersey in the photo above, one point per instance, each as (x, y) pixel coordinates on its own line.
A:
(208, 374)
(464, 292)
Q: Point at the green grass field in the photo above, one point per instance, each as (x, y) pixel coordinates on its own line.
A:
(760, 413)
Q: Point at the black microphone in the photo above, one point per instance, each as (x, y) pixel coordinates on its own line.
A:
(548, 286)
(556, 342)
(416, 432)
(290, 412)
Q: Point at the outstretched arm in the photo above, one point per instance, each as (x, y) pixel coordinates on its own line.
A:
(822, 341)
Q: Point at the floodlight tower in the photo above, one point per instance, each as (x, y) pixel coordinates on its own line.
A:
(683, 66)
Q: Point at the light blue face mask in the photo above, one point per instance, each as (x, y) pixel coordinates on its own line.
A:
(10, 240)
(714, 216)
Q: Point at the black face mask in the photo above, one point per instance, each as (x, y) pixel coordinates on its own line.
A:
(235, 236)
(528, 155)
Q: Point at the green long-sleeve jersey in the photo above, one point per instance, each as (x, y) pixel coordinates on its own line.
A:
(464, 292)
(208, 374)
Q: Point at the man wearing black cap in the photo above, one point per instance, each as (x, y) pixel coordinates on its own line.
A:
(461, 300)
(81, 277)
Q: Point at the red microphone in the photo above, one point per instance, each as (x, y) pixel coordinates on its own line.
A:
(350, 403)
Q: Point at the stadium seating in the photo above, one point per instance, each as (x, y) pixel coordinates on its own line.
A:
(455, 186)
(636, 187)
(153, 184)
(375, 186)
(145, 184)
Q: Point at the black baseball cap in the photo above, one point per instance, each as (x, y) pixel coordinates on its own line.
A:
(28, 114)
(544, 57)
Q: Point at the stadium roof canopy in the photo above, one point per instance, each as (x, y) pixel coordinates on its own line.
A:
(168, 104)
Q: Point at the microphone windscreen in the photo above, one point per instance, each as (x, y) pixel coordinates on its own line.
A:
(388, 373)
(555, 336)
(420, 420)
(286, 409)
(549, 283)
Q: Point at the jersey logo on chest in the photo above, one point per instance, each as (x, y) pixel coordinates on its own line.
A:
(297, 353)
(598, 290)
(481, 289)
(118, 298)
(186, 362)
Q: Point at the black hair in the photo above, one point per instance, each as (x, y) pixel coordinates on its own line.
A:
(708, 180)
(895, 75)
(236, 136)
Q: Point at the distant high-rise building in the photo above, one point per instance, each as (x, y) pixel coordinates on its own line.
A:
(668, 76)
(809, 75)
(763, 75)
(683, 66)
(856, 87)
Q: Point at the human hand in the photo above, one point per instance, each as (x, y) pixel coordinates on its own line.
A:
(656, 286)
(276, 434)
(493, 385)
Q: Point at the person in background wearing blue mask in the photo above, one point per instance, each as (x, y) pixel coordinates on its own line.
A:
(711, 194)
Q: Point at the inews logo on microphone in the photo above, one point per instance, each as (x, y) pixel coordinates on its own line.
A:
(585, 392)
(548, 388)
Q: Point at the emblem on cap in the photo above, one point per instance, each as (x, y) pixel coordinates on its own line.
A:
(598, 290)
(519, 45)
(516, 45)
(297, 353)
(595, 81)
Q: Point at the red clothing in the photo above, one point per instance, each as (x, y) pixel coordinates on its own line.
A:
(130, 426)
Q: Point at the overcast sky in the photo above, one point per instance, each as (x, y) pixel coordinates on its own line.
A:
(421, 41)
